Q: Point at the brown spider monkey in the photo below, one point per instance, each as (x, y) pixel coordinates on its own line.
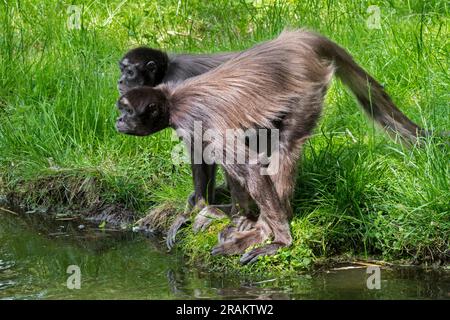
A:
(279, 83)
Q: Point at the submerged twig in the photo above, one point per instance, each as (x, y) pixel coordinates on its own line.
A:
(8, 211)
(66, 219)
(265, 281)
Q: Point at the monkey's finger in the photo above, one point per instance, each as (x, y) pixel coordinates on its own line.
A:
(249, 258)
(201, 221)
(169, 242)
(171, 235)
(246, 225)
(222, 249)
(253, 255)
(173, 230)
(206, 224)
(225, 234)
(222, 236)
(201, 225)
(191, 201)
(228, 248)
(217, 250)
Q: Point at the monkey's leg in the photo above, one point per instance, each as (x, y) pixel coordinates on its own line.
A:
(213, 195)
(213, 211)
(238, 211)
(284, 182)
(222, 194)
(210, 212)
(242, 213)
(286, 173)
(204, 177)
(271, 222)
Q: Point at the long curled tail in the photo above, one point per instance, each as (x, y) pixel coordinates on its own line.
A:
(370, 94)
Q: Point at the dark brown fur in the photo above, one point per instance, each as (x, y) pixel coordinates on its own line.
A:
(277, 84)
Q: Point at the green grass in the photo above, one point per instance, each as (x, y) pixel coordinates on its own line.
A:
(358, 192)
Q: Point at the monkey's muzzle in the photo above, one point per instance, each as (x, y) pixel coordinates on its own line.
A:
(121, 126)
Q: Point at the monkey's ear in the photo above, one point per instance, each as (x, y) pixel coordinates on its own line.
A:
(151, 66)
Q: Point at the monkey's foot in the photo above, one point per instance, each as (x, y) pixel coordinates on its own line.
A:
(241, 240)
(253, 255)
(239, 223)
(207, 215)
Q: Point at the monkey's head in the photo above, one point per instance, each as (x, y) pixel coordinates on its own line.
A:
(142, 67)
(143, 111)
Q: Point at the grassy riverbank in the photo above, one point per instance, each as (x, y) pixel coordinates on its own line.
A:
(357, 193)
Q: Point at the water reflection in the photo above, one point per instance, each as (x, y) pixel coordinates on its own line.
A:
(35, 253)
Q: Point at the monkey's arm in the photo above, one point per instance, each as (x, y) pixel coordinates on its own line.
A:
(184, 66)
(202, 202)
(204, 177)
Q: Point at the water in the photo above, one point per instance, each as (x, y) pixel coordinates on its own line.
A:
(35, 254)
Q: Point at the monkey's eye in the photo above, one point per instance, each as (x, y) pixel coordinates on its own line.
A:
(130, 73)
(125, 109)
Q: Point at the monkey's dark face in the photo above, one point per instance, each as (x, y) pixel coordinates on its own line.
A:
(136, 74)
(142, 112)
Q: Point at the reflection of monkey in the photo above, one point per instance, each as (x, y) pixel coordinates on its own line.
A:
(175, 284)
(279, 84)
(150, 67)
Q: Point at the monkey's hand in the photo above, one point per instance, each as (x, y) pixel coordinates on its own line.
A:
(173, 230)
(238, 223)
(207, 215)
(180, 221)
(239, 241)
